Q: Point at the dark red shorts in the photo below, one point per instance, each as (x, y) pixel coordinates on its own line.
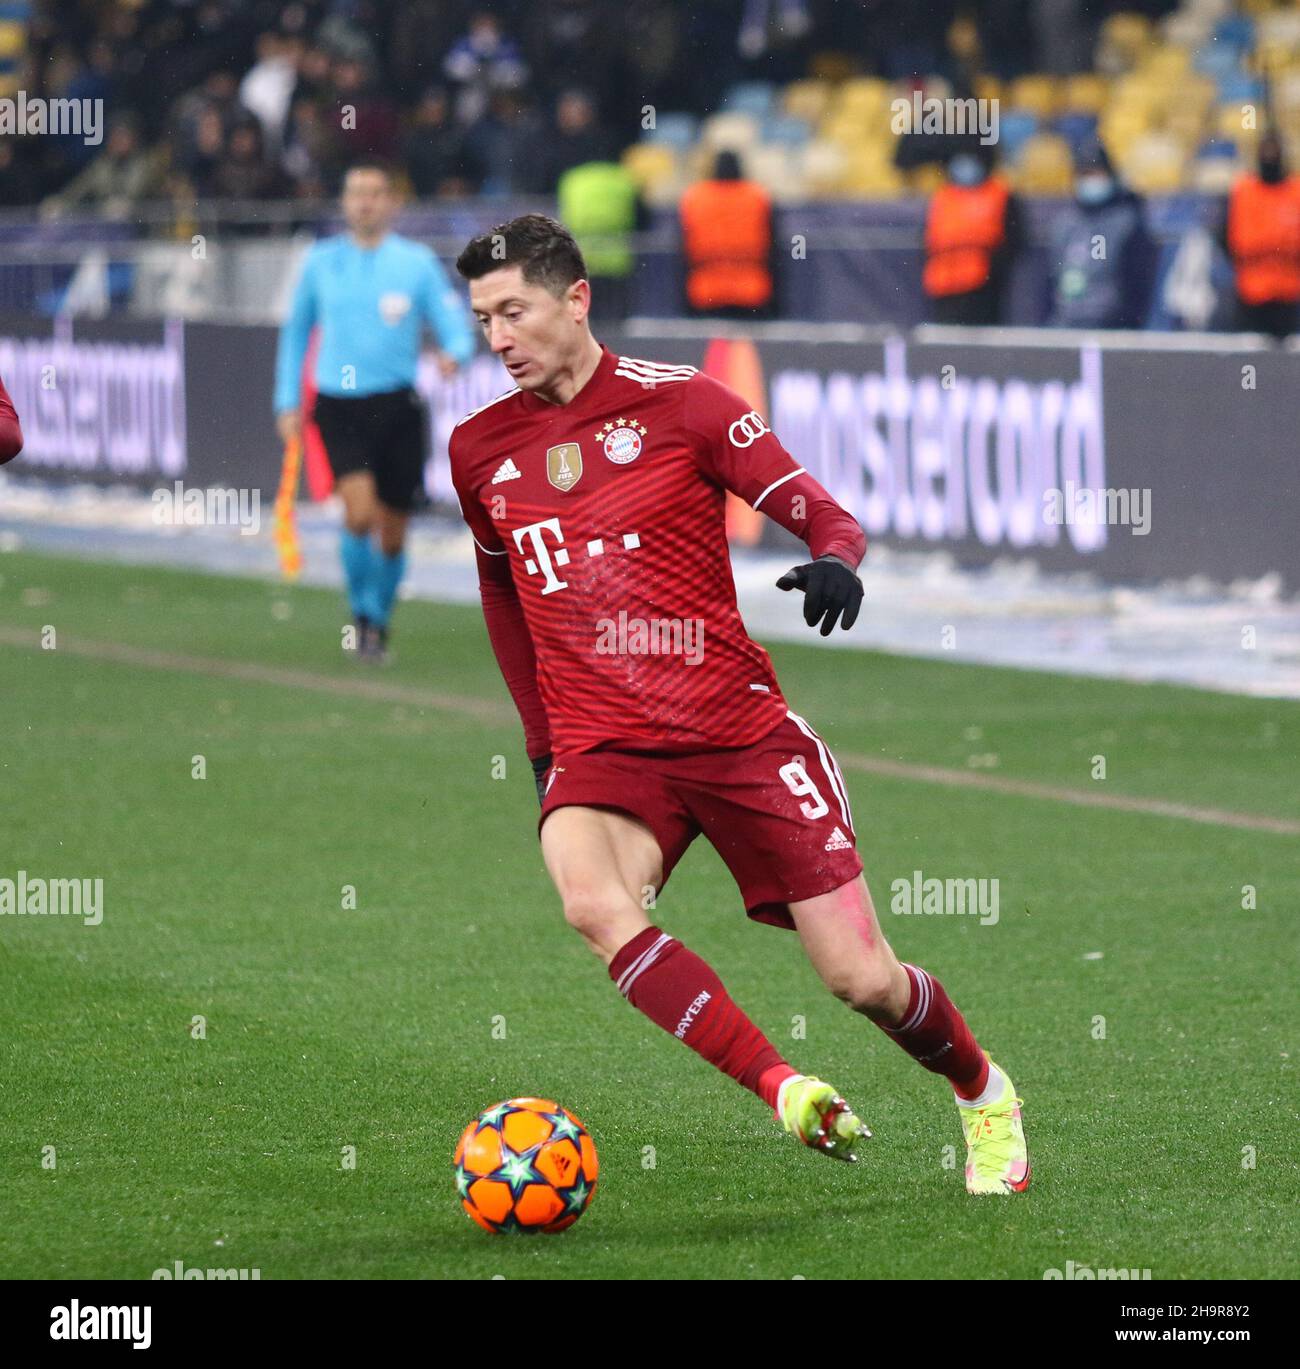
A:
(777, 812)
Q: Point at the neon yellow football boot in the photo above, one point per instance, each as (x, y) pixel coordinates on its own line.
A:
(997, 1157)
(819, 1117)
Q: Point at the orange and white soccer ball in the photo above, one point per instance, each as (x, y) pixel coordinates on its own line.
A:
(525, 1165)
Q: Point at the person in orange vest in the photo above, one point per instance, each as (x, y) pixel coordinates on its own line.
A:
(727, 244)
(972, 236)
(1262, 236)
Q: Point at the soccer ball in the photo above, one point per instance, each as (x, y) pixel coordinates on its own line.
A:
(525, 1165)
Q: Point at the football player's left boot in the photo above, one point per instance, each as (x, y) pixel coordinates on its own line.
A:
(811, 1110)
(997, 1158)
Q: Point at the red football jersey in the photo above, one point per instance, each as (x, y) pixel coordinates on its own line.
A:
(609, 512)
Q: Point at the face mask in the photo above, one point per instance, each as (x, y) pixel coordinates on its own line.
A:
(965, 170)
(1270, 170)
(1093, 190)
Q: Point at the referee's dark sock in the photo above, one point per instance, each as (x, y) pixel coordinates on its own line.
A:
(360, 565)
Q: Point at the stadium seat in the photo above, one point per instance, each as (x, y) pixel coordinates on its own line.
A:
(750, 97)
(655, 169)
(1076, 129)
(1045, 166)
(1154, 164)
(785, 130)
(1039, 95)
(738, 131)
(1086, 94)
(807, 100)
(677, 130)
(1015, 129)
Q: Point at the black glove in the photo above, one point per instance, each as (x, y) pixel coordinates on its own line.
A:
(540, 764)
(830, 588)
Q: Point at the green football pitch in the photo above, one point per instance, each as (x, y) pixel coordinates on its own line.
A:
(1139, 984)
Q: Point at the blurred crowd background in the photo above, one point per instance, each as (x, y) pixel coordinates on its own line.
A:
(250, 103)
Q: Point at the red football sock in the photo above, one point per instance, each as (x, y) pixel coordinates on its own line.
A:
(676, 989)
(935, 1034)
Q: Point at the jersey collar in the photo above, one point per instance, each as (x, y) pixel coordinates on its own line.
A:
(605, 369)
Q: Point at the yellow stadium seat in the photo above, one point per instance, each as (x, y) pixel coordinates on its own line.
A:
(654, 168)
(1085, 94)
(807, 100)
(1045, 166)
(1040, 95)
(1155, 164)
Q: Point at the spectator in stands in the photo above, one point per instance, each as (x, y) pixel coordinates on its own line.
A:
(244, 172)
(482, 64)
(373, 129)
(1103, 258)
(727, 244)
(434, 150)
(19, 183)
(1262, 237)
(267, 90)
(121, 176)
(308, 149)
(578, 137)
(508, 144)
(600, 206)
(972, 237)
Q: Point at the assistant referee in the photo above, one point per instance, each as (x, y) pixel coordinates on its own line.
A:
(372, 291)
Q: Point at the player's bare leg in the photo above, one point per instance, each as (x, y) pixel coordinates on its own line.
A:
(842, 938)
(606, 866)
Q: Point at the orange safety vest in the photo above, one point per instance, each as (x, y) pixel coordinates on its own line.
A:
(1264, 239)
(727, 234)
(964, 226)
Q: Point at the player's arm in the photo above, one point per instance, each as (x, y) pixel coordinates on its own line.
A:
(743, 455)
(295, 334)
(512, 643)
(447, 317)
(11, 433)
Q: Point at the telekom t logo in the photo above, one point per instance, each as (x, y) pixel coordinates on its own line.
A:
(541, 558)
(533, 532)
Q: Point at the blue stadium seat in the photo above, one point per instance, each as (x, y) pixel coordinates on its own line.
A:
(1076, 129)
(749, 97)
(679, 131)
(1014, 130)
(786, 131)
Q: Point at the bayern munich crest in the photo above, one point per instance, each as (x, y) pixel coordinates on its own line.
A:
(622, 440)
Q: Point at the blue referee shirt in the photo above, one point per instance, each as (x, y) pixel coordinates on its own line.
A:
(371, 304)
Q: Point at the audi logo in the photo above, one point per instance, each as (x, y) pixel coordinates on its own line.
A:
(751, 427)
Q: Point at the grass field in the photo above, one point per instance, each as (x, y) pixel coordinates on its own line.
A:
(330, 1027)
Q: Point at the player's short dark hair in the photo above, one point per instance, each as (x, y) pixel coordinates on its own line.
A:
(543, 247)
(373, 164)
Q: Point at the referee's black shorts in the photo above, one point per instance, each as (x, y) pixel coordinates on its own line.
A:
(384, 434)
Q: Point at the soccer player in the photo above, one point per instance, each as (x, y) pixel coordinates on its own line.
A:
(372, 292)
(595, 493)
(11, 433)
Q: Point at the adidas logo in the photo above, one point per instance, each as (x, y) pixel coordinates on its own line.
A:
(838, 841)
(507, 470)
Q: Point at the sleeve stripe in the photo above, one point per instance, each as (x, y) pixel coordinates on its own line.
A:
(790, 475)
(488, 550)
